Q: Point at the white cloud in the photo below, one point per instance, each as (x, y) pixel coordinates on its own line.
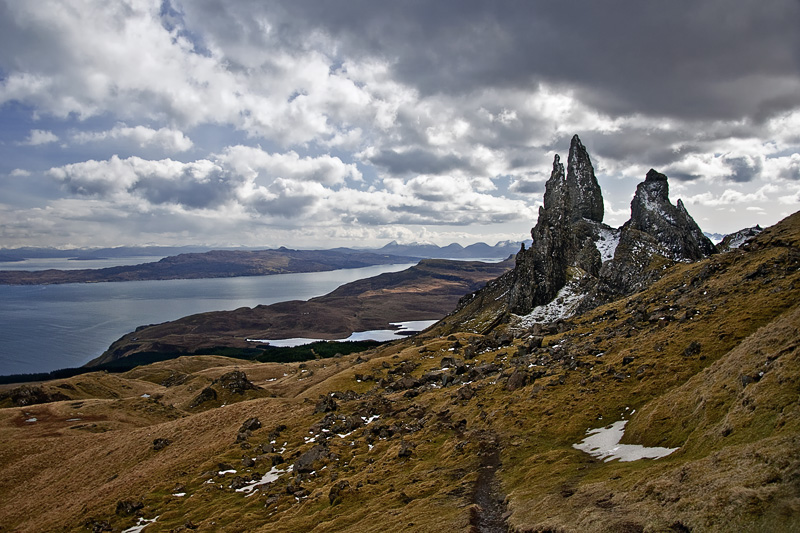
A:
(254, 162)
(408, 145)
(727, 197)
(38, 137)
(167, 139)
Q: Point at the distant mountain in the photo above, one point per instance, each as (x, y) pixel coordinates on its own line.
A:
(716, 238)
(501, 250)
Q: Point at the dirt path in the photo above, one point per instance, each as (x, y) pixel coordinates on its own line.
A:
(489, 517)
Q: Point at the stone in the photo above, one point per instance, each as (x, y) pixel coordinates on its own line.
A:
(206, 395)
(338, 491)
(236, 382)
(129, 507)
(326, 404)
(160, 444)
(405, 449)
(673, 228)
(465, 393)
(305, 463)
(563, 236)
(517, 380)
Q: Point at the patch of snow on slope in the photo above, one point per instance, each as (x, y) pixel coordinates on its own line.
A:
(603, 443)
(562, 306)
(607, 243)
(269, 477)
(143, 522)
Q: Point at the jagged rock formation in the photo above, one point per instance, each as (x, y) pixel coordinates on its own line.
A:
(657, 234)
(576, 262)
(569, 223)
(677, 234)
(738, 238)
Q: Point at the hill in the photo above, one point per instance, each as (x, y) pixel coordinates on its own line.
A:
(495, 419)
(213, 264)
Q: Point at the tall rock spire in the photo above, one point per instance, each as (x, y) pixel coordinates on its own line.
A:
(586, 199)
(564, 234)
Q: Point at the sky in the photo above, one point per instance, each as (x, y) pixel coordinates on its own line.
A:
(314, 124)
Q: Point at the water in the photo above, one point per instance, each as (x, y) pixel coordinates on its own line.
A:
(381, 335)
(47, 327)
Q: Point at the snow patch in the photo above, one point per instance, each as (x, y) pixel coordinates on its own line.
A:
(140, 525)
(603, 443)
(562, 306)
(269, 477)
(607, 242)
(380, 335)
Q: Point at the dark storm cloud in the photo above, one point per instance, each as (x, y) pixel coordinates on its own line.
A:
(709, 59)
(683, 176)
(214, 190)
(527, 186)
(743, 169)
(418, 161)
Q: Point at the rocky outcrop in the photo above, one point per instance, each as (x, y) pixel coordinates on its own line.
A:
(657, 234)
(30, 395)
(576, 262)
(569, 223)
(738, 238)
(676, 233)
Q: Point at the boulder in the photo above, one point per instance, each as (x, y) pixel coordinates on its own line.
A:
(235, 382)
(305, 463)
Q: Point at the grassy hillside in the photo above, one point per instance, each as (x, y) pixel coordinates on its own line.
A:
(469, 426)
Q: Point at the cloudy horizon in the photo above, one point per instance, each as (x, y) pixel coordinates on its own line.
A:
(320, 124)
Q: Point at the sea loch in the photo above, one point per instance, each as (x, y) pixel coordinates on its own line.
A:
(47, 327)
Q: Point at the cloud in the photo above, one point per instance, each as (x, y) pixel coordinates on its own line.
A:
(743, 169)
(527, 186)
(39, 137)
(417, 161)
(728, 197)
(254, 162)
(282, 188)
(167, 139)
(368, 114)
(787, 167)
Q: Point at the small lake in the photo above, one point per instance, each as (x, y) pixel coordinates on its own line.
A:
(47, 327)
